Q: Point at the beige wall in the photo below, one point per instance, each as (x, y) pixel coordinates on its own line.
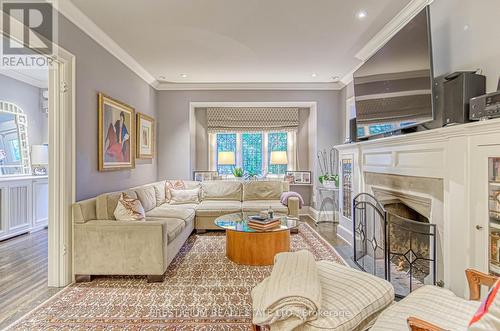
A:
(202, 143)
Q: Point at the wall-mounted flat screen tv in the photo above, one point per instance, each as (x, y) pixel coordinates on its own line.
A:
(393, 88)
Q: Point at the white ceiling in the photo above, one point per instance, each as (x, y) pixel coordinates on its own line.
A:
(228, 41)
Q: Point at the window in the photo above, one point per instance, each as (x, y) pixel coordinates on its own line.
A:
(253, 151)
(226, 142)
(276, 142)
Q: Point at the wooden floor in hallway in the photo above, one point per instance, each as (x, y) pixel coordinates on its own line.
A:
(23, 275)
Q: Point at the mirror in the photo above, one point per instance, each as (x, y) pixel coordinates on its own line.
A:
(14, 153)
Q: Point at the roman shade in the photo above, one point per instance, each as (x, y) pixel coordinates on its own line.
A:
(252, 119)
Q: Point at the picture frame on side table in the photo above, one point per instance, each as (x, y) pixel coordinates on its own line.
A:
(299, 177)
(201, 176)
(146, 139)
(116, 134)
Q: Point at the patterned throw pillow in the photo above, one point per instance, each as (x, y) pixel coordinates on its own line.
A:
(487, 317)
(129, 209)
(173, 185)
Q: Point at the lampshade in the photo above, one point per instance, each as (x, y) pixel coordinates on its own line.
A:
(226, 158)
(39, 154)
(279, 157)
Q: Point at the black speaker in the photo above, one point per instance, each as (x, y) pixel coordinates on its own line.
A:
(353, 130)
(459, 88)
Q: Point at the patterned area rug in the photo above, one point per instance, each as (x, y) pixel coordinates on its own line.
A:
(203, 290)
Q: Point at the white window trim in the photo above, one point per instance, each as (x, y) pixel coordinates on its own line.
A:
(291, 152)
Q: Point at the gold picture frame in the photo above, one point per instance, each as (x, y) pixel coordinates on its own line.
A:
(116, 134)
(146, 139)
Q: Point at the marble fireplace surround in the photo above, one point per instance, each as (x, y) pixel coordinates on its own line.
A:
(422, 194)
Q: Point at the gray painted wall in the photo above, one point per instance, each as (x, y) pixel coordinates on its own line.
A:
(173, 121)
(99, 71)
(28, 98)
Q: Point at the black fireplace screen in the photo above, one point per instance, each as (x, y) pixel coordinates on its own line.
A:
(392, 247)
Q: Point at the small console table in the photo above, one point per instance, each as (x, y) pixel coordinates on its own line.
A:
(328, 196)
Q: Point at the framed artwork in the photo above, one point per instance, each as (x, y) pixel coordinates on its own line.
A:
(145, 136)
(201, 176)
(116, 134)
(298, 177)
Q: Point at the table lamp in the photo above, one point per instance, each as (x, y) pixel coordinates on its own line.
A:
(39, 159)
(226, 158)
(278, 158)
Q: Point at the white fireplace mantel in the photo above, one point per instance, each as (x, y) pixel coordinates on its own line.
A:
(454, 154)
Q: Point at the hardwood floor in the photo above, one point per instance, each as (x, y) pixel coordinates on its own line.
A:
(329, 232)
(23, 275)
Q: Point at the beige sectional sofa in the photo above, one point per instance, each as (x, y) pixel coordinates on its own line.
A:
(105, 246)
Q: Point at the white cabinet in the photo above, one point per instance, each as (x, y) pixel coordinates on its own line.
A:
(24, 205)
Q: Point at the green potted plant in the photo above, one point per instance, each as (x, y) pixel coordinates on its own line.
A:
(238, 172)
(328, 180)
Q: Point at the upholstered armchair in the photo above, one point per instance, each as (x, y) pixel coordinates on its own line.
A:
(476, 279)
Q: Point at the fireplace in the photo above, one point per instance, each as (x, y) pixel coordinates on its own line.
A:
(411, 252)
(403, 222)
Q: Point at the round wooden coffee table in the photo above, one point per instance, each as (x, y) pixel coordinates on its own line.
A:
(245, 245)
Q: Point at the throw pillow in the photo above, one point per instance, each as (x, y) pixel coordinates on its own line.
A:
(179, 197)
(129, 209)
(487, 316)
(173, 185)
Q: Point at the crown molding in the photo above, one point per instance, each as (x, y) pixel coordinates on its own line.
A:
(24, 78)
(78, 18)
(384, 35)
(391, 28)
(247, 86)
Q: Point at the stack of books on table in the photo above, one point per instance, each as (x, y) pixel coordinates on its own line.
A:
(263, 225)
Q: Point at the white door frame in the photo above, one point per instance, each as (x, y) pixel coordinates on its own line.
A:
(62, 166)
(62, 163)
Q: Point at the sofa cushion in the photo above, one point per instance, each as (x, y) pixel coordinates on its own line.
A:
(258, 205)
(433, 304)
(159, 193)
(218, 207)
(221, 190)
(106, 204)
(349, 297)
(147, 196)
(84, 211)
(183, 212)
(262, 190)
(174, 226)
(179, 197)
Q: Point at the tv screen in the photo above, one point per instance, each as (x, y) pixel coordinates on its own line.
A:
(393, 88)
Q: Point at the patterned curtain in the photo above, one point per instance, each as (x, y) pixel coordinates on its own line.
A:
(252, 119)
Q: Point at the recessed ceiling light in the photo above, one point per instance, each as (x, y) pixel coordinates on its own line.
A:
(335, 78)
(361, 14)
(184, 75)
(162, 77)
(314, 75)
